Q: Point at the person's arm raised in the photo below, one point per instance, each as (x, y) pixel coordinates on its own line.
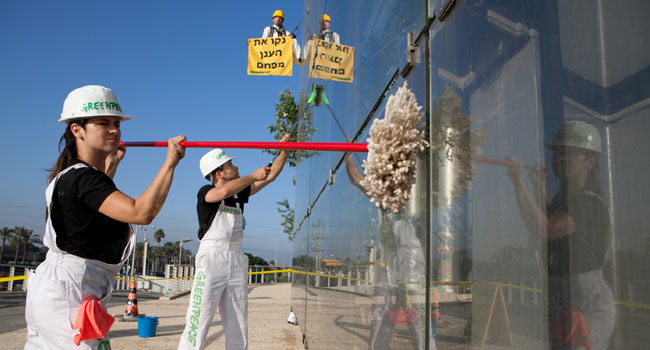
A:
(276, 168)
(235, 186)
(143, 210)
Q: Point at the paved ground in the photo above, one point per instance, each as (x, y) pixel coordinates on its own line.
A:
(268, 309)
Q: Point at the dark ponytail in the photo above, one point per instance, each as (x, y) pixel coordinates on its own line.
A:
(69, 154)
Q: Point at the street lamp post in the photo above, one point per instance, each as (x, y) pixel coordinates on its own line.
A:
(275, 260)
(146, 246)
(180, 253)
(180, 250)
(133, 242)
(275, 257)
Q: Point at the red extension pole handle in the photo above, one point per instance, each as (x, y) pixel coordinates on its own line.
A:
(312, 146)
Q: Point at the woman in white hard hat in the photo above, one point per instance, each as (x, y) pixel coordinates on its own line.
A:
(87, 229)
(576, 228)
(221, 276)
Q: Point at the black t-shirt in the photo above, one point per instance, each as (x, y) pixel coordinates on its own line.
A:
(586, 248)
(207, 211)
(80, 228)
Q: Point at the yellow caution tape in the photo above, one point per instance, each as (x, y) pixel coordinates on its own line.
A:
(324, 275)
(15, 278)
(631, 304)
(530, 289)
(270, 271)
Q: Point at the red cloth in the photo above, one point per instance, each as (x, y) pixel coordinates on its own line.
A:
(92, 322)
(571, 329)
(403, 316)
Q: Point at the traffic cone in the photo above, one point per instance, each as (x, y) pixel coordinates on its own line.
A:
(131, 311)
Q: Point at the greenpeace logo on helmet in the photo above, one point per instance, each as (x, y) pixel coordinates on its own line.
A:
(580, 139)
(111, 106)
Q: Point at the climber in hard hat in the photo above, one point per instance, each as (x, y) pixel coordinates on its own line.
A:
(575, 228)
(87, 229)
(277, 29)
(221, 276)
(325, 34)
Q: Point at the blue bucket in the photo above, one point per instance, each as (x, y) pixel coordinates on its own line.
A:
(147, 326)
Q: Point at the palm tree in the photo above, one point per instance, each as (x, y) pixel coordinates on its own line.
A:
(16, 241)
(6, 233)
(27, 238)
(139, 253)
(170, 250)
(158, 236)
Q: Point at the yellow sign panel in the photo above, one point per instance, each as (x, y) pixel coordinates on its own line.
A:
(331, 61)
(270, 56)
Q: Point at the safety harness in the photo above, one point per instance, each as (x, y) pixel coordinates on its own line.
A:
(281, 31)
(327, 36)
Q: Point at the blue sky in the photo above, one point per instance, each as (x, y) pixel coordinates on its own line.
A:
(176, 67)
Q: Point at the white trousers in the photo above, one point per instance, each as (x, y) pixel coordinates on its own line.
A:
(56, 291)
(220, 279)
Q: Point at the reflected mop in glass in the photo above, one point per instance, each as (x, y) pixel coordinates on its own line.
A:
(398, 275)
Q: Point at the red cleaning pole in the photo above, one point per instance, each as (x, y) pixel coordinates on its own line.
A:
(312, 146)
(499, 162)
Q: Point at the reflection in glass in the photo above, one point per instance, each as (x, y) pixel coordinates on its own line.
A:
(576, 228)
(398, 277)
(521, 69)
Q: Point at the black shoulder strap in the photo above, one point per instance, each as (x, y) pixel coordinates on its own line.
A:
(328, 36)
(281, 31)
(203, 228)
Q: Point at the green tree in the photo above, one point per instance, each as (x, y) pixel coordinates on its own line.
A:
(159, 235)
(27, 238)
(6, 233)
(169, 251)
(287, 113)
(15, 241)
(256, 260)
(287, 214)
(139, 253)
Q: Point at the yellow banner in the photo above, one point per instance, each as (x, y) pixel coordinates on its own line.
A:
(331, 61)
(270, 56)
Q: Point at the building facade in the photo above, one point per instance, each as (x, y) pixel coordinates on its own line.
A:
(468, 263)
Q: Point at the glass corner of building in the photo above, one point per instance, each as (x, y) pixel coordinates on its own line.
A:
(525, 217)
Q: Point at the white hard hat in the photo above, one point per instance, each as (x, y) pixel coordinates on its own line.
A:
(578, 134)
(91, 101)
(212, 160)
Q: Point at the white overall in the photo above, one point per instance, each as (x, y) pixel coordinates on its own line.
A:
(59, 286)
(220, 279)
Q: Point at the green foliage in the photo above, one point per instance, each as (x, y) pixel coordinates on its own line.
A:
(287, 214)
(256, 260)
(158, 235)
(25, 237)
(286, 115)
(6, 233)
(454, 139)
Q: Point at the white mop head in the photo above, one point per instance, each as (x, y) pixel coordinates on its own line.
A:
(392, 148)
